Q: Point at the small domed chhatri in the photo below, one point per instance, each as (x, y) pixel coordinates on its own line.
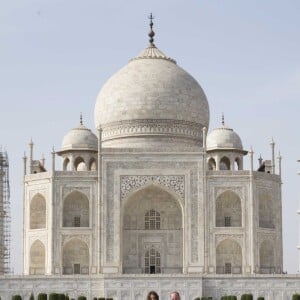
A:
(224, 138)
(151, 101)
(79, 149)
(79, 138)
(224, 149)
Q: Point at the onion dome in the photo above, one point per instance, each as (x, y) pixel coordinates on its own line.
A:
(224, 138)
(151, 100)
(79, 138)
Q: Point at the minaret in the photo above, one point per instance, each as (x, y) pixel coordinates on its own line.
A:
(260, 160)
(279, 158)
(53, 159)
(272, 144)
(30, 156)
(24, 163)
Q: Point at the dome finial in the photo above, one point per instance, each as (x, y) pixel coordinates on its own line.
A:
(223, 122)
(81, 123)
(151, 34)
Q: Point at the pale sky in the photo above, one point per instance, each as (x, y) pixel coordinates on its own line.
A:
(56, 55)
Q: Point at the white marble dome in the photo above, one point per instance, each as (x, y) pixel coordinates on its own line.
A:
(224, 138)
(80, 138)
(151, 97)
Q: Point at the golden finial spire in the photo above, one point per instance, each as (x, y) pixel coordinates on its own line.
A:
(151, 34)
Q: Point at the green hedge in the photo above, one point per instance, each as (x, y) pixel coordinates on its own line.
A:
(53, 296)
(261, 298)
(230, 297)
(31, 297)
(16, 297)
(247, 297)
(42, 296)
(81, 298)
(61, 297)
(296, 297)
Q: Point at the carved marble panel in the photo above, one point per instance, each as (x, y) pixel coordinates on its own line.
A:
(174, 183)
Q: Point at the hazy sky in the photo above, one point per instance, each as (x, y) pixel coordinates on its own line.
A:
(56, 55)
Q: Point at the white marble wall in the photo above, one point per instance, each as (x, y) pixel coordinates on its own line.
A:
(272, 287)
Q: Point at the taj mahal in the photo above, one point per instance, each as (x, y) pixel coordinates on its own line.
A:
(152, 199)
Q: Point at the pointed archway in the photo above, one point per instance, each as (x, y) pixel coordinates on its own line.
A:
(152, 232)
(37, 258)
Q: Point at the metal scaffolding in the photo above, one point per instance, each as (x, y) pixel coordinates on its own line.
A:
(5, 230)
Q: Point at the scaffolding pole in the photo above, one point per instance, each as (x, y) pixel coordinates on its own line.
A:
(5, 230)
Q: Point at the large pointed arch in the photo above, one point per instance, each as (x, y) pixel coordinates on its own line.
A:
(75, 258)
(38, 212)
(165, 235)
(76, 210)
(37, 260)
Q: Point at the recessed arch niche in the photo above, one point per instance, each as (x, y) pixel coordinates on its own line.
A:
(37, 258)
(76, 210)
(266, 257)
(140, 238)
(228, 210)
(75, 257)
(229, 257)
(38, 212)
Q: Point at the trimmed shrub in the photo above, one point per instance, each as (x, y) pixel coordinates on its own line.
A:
(81, 298)
(42, 296)
(53, 296)
(261, 298)
(296, 297)
(61, 297)
(247, 297)
(31, 297)
(67, 297)
(109, 299)
(16, 297)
